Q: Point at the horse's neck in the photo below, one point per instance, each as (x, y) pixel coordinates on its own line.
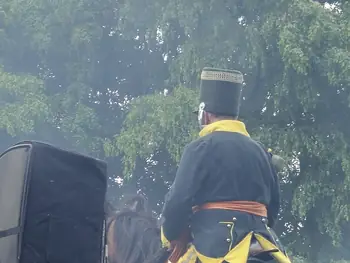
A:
(138, 237)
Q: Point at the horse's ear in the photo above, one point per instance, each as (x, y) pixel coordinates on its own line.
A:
(109, 209)
(137, 204)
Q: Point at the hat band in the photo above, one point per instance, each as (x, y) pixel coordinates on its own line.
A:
(222, 76)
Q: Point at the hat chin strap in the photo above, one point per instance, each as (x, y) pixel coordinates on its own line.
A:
(201, 119)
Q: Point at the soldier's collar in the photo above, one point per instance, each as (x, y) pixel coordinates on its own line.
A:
(226, 126)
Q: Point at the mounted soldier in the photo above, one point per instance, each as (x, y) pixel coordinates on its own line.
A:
(226, 187)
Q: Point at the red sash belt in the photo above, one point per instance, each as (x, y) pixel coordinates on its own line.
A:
(241, 206)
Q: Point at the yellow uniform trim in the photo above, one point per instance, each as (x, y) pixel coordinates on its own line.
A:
(165, 241)
(225, 125)
(239, 254)
(231, 225)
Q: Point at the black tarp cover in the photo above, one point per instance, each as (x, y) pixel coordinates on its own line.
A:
(57, 198)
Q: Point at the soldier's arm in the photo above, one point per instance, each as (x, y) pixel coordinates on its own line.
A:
(274, 206)
(179, 201)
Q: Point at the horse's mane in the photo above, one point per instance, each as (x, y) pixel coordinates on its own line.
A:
(136, 233)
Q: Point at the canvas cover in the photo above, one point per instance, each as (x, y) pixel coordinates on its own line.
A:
(51, 205)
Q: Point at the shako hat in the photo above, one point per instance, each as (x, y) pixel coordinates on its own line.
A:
(220, 91)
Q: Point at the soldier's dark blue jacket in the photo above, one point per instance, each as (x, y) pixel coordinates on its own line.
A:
(224, 164)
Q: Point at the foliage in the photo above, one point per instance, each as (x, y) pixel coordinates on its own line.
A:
(90, 75)
(154, 121)
(85, 70)
(23, 102)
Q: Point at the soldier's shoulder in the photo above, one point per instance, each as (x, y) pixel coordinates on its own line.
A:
(263, 147)
(199, 144)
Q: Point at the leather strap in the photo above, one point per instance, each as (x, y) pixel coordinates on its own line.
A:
(10, 232)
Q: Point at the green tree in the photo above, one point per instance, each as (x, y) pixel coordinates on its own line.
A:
(86, 71)
(23, 102)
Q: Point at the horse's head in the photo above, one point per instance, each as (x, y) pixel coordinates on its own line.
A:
(132, 233)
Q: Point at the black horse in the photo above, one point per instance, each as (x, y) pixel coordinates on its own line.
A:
(133, 236)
